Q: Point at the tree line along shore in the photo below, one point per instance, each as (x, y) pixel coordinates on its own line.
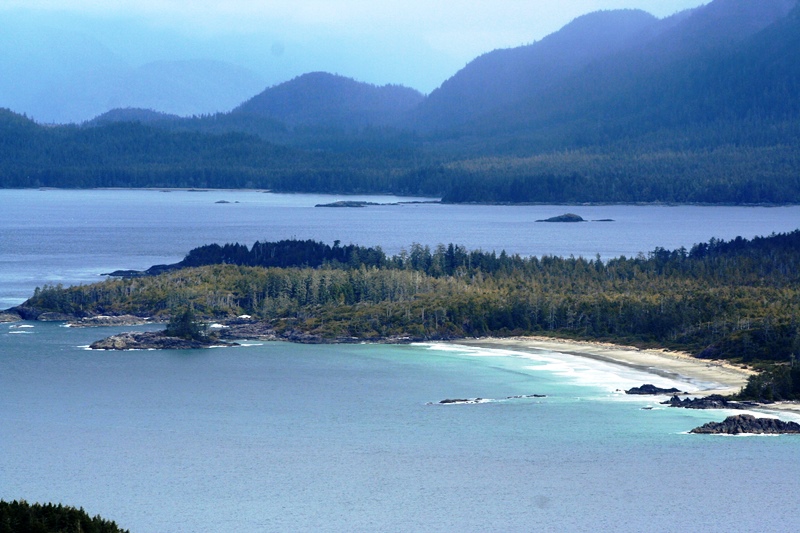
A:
(735, 300)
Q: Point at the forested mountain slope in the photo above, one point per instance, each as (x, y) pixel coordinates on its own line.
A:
(322, 99)
(683, 74)
(502, 77)
(616, 107)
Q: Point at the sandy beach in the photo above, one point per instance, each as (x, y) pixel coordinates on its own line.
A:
(728, 379)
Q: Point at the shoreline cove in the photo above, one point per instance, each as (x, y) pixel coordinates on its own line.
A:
(676, 366)
(696, 377)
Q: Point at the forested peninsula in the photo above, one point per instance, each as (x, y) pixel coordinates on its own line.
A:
(736, 300)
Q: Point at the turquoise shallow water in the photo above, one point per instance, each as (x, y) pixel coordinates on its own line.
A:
(284, 437)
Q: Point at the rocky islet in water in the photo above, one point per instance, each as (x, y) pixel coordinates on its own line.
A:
(748, 424)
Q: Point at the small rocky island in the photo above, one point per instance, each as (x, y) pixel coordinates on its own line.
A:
(183, 332)
(748, 424)
(714, 401)
(155, 340)
(651, 390)
(568, 217)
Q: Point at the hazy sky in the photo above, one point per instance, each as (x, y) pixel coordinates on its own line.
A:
(419, 43)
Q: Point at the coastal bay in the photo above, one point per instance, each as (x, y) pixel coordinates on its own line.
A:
(279, 435)
(331, 437)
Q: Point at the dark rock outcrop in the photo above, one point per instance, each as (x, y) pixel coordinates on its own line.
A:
(154, 270)
(153, 340)
(568, 217)
(451, 401)
(9, 316)
(748, 424)
(239, 329)
(651, 389)
(121, 320)
(54, 317)
(347, 203)
(715, 401)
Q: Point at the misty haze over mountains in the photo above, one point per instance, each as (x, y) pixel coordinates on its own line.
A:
(63, 76)
(606, 51)
(62, 67)
(702, 106)
(607, 69)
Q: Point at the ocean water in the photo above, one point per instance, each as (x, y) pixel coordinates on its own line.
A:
(73, 236)
(284, 437)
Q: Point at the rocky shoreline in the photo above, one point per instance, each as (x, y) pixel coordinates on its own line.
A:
(102, 320)
(714, 401)
(155, 340)
(225, 333)
(6, 317)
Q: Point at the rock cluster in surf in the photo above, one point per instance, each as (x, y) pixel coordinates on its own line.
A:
(651, 389)
(748, 424)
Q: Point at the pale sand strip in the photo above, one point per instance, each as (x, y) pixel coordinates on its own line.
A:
(729, 379)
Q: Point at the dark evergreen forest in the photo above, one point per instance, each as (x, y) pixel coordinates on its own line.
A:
(23, 517)
(735, 171)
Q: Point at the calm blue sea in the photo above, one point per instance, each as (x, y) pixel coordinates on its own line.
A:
(284, 437)
(70, 236)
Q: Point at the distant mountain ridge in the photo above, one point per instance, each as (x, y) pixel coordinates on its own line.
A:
(607, 70)
(131, 114)
(637, 81)
(323, 99)
(501, 77)
(617, 106)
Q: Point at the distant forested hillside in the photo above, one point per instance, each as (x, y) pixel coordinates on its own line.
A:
(618, 106)
(323, 99)
(133, 154)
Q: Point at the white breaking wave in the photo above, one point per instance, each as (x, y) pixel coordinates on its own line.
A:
(575, 369)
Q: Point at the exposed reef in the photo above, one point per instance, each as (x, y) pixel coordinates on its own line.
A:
(651, 389)
(347, 203)
(748, 424)
(715, 401)
(456, 401)
(101, 321)
(568, 217)
(362, 203)
(9, 316)
(225, 333)
(154, 340)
